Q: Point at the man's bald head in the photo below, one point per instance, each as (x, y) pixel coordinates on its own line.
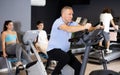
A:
(67, 14)
(65, 8)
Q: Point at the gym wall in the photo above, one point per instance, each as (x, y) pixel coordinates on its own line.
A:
(17, 10)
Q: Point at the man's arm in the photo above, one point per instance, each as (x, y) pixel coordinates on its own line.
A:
(75, 28)
(113, 24)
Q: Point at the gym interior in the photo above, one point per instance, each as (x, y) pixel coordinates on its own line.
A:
(25, 14)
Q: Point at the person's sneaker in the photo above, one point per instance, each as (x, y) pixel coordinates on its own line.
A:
(108, 51)
(53, 62)
(45, 56)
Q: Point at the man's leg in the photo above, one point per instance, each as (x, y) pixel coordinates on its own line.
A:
(74, 63)
(107, 44)
(100, 43)
(107, 39)
(60, 56)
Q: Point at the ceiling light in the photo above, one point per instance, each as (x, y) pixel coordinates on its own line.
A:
(38, 2)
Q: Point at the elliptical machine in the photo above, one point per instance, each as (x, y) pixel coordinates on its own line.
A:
(92, 38)
(35, 67)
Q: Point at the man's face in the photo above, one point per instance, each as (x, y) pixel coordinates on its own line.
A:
(67, 15)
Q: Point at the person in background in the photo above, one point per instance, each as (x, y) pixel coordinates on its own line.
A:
(106, 19)
(11, 45)
(58, 45)
(42, 40)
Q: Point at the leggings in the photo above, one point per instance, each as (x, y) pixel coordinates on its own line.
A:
(63, 58)
(16, 49)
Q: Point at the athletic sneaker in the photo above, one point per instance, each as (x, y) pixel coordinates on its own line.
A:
(108, 51)
(45, 56)
(52, 65)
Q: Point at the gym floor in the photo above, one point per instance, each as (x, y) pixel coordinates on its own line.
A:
(113, 65)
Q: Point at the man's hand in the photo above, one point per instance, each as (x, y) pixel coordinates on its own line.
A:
(91, 28)
(99, 27)
(88, 26)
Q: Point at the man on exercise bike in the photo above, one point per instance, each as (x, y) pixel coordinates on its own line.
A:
(58, 45)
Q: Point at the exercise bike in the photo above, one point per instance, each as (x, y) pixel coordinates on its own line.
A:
(92, 38)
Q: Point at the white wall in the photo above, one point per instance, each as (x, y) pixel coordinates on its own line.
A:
(17, 10)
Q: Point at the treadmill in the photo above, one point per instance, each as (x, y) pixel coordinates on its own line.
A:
(78, 47)
(78, 44)
(96, 57)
